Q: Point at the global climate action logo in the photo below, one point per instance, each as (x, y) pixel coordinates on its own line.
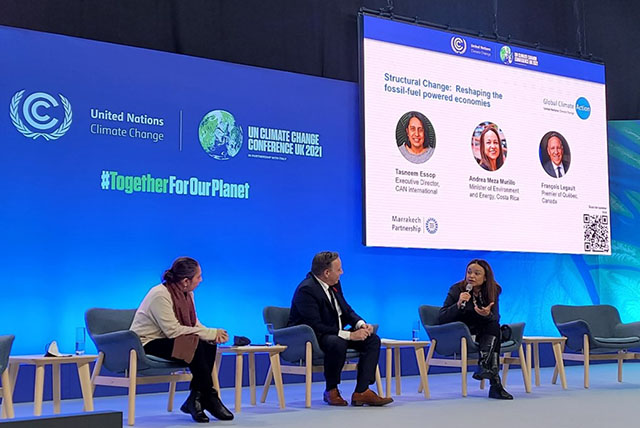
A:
(583, 108)
(458, 45)
(506, 55)
(42, 114)
(220, 137)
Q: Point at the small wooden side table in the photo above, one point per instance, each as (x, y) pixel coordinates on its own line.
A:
(557, 344)
(81, 361)
(395, 345)
(274, 357)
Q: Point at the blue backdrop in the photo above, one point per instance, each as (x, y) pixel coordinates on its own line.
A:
(68, 244)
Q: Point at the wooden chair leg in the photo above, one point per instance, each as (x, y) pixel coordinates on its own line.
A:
(585, 350)
(524, 367)
(267, 383)
(620, 360)
(554, 379)
(557, 351)
(96, 371)
(277, 378)
(7, 396)
(424, 381)
(463, 356)
(505, 369)
(133, 371)
(172, 394)
(308, 375)
(482, 383)
(379, 381)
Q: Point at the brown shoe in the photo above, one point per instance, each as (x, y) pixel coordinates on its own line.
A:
(369, 398)
(333, 398)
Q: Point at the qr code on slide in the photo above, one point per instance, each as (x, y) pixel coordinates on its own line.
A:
(596, 233)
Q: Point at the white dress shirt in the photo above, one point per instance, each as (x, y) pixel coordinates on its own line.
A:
(346, 335)
(555, 169)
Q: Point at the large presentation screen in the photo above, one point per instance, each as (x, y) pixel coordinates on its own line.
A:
(481, 145)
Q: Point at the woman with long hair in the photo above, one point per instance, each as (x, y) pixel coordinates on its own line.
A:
(491, 154)
(168, 328)
(474, 301)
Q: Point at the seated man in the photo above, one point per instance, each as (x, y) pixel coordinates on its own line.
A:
(319, 303)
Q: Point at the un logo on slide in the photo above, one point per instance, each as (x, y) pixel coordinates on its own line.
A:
(39, 111)
(458, 45)
(220, 137)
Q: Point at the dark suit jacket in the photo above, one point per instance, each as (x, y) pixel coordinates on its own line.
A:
(311, 306)
(550, 169)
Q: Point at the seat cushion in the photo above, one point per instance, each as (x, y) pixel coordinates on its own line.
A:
(509, 346)
(620, 340)
(632, 340)
(162, 360)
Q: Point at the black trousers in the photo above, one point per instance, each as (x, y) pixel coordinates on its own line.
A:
(201, 366)
(481, 326)
(335, 355)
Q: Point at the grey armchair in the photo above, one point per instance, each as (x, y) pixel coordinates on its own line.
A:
(454, 341)
(6, 392)
(121, 352)
(303, 355)
(595, 332)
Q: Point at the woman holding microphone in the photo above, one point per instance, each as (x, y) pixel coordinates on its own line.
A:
(474, 301)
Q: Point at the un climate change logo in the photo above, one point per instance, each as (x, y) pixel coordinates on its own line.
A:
(37, 110)
(220, 137)
(458, 45)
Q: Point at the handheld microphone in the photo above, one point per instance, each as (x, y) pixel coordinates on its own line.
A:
(468, 288)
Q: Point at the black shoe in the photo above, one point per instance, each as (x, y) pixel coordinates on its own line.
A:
(193, 406)
(498, 392)
(213, 405)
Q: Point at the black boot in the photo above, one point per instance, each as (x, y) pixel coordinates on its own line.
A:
(496, 390)
(487, 347)
(214, 406)
(193, 406)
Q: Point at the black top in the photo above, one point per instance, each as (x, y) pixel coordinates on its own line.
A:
(450, 311)
(311, 306)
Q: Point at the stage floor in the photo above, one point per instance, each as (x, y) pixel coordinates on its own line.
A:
(605, 403)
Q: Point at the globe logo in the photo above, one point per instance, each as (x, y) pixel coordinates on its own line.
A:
(219, 135)
(458, 45)
(583, 108)
(506, 55)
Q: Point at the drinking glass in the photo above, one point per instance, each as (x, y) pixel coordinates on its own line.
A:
(80, 340)
(415, 331)
(268, 338)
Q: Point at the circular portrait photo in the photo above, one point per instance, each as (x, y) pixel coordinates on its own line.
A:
(555, 155)
(415, 137)
(489, 146)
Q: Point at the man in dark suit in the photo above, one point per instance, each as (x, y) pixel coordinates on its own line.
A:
(556, 166)
(319, 303)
